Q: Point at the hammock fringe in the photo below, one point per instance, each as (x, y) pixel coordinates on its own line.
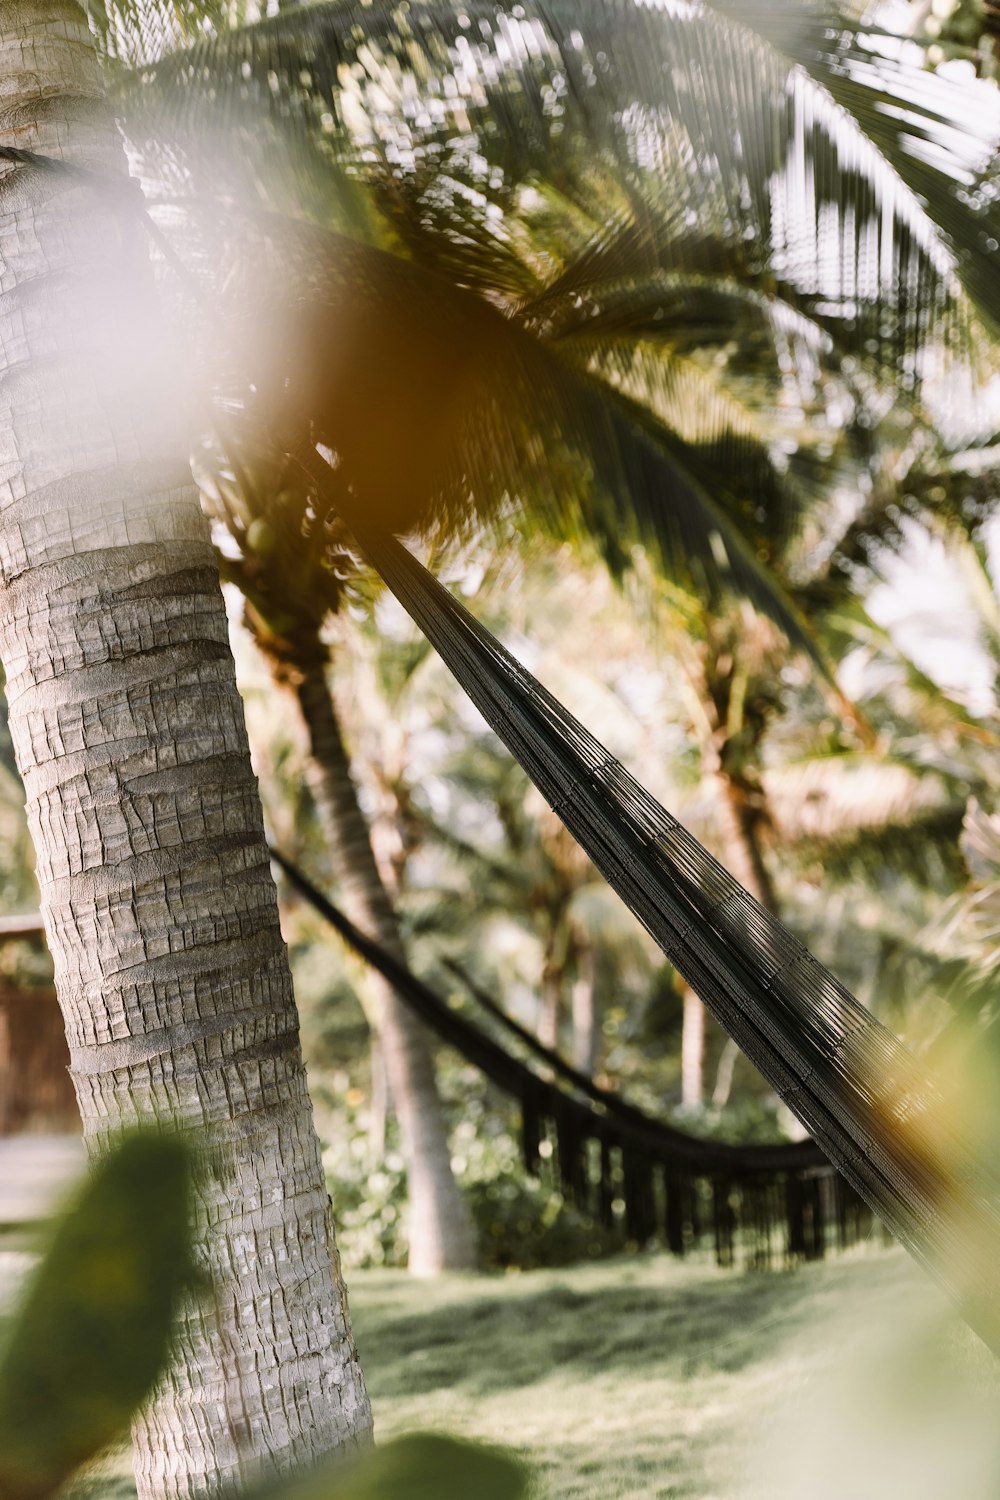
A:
(634, 1175)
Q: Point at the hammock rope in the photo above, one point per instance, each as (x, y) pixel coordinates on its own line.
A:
(686, 1188)
(859, 1092)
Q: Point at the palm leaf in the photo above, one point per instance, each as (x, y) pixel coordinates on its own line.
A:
(436, 399)
(936, 136)
(835, 796)
(448, 125)
(780, 135)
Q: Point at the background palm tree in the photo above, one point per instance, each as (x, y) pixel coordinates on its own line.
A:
(833, 810)
(293, 587)
(439, 1229)
(677, 411)
(845, 793)
(675, 371)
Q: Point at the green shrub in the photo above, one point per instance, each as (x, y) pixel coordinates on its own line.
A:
(368, 1195)
(369, 1210)
(523, 1224)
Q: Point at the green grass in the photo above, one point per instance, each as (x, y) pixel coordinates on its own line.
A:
(653, 1380)
(639, 1378)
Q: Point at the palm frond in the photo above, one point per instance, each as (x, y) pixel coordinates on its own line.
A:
(936, 136)
(432, 404)
(776, 138)
(475, 139)
(969, 926)
(981, 845)
(834, 796)
(745, 439)
(922, 851)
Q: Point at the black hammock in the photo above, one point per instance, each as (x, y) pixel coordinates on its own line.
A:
(738, 1196)
(859, 1092)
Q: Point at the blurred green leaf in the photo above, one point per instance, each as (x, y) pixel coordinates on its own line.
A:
(93, 1330)
(421, 1466)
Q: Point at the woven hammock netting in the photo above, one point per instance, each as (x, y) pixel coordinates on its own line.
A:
(863, 1097)
(759, 1205)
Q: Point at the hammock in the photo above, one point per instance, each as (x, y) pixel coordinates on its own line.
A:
(861, 1094)
(739, 1197)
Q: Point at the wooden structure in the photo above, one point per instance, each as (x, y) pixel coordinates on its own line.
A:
(36, 1095)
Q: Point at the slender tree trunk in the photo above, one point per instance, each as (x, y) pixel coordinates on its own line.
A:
(440, 1228)
(740, 817)
(379, 1104)
(129, 735)
(724, 1074)
(7, 1064)
(743, 857)
(550, 1015)
(692, 1050)
(745, 860)
(583, 1005)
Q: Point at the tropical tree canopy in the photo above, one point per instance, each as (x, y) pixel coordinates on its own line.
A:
(600, 259)
(458, 318)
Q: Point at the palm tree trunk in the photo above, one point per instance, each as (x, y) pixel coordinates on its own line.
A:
(128, 730)
(692, 1050)
(743, 857)
(550, 1014)
(440, 1228)
(740, 817)
(583, 1006)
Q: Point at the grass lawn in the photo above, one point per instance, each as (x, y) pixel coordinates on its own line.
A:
(648, 1379)
(654, 1380)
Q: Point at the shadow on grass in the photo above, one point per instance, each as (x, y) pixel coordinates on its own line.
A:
(481, 1341)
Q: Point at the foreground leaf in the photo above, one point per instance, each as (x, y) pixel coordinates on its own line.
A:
(421, 1466)
(93, 1330)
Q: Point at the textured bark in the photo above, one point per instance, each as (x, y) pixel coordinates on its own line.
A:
(440, 1234)
(129, 735)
